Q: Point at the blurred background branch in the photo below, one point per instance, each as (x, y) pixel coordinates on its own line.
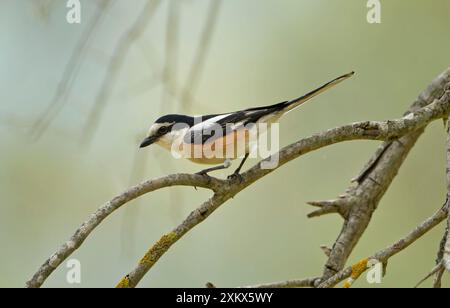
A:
(120, 53)
(71, 71)
(197, 67)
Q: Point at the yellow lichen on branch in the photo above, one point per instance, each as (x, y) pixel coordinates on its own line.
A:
(151, 256)
(159, 249)
(124, 283)
(357, 270)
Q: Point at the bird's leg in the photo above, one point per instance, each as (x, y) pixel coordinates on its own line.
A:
(226, 165)
(237, 173)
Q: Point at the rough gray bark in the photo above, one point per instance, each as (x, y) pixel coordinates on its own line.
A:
(359, 202)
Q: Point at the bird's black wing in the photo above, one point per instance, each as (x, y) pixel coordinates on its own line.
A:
(219, 126)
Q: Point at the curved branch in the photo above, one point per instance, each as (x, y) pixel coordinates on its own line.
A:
(95, 219)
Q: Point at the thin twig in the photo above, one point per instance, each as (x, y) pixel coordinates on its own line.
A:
(443, 260)
(446, 258)
(437, 284)
(446, 247)
(435, 271)
(384, 255)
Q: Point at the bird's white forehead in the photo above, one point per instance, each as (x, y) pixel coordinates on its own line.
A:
(175, 127)
(155, 127)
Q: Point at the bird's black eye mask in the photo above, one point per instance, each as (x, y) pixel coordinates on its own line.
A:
(164, 130)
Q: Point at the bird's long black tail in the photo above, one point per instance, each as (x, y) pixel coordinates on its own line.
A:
(303, 99)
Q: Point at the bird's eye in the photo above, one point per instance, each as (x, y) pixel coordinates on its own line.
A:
(163, 130)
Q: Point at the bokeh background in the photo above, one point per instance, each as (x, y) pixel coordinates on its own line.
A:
(59, 163)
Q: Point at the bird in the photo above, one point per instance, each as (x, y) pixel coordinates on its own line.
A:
(189, 136)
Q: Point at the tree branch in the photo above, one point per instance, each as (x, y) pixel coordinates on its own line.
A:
(359, 202)
(443, 257)
(95, 219)
(382, 174)
(446, 247)
(384, 255)
(446, 258)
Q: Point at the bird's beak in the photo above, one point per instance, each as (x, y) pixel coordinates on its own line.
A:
(148, 141)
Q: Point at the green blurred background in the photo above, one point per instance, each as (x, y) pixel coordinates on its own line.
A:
(260, 52)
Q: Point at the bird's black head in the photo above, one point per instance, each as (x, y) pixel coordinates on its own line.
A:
(176, 118)
(164, 125)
